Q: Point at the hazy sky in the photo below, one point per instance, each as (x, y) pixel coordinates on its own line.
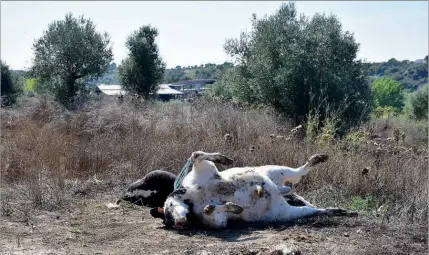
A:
(192, 33)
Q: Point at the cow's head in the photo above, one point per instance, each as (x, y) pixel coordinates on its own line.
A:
(198, 156)
(152, 190)
(176, 211)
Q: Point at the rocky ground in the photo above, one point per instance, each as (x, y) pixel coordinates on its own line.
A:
(87, 227)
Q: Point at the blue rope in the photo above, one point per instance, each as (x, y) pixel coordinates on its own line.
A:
(182, 175)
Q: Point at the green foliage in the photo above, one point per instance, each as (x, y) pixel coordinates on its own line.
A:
(9, 88)
(18, 79)
(356, 137)
(110, 77)
(30, 84)
(384, 112)
(206, 71)
(367, 204)
(297, 64)
(411, 75)
(323, 133)
(222, 89)
(418, 104)
(143, 69)
(68, 52)
(176, 74)
(12, 84)
(388, 93)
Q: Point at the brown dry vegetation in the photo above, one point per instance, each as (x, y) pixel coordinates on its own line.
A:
(51, 158)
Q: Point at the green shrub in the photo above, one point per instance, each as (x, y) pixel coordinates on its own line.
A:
(388, 93)
(9, 87)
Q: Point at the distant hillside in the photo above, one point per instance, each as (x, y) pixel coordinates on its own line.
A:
(110, 78)
(411, 74)
(207, 71)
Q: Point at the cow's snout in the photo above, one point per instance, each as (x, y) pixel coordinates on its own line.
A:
(181, 224)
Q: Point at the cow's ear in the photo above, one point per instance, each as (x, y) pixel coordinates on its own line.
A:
(157, 212)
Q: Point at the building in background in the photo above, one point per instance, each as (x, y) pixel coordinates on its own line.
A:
(164, 92)
(111, 90)
(192, 87)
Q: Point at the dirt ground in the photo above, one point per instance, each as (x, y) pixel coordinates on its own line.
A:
(88, 227)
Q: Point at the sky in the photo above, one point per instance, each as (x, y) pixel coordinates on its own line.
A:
(194, 32)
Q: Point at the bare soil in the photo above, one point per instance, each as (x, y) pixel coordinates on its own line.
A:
(86, 226)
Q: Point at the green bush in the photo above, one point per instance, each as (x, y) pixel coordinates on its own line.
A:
(388, 93)
(9, 88)
(418, 103)
(368, 203)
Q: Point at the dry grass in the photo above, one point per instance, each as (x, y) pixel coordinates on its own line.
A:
(48, 153)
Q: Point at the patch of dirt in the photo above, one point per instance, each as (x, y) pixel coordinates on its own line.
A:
(88, 227)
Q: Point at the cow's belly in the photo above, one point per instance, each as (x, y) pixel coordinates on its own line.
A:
(240, 189)
(255, 206)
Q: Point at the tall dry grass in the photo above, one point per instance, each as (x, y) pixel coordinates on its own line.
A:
(48, 152)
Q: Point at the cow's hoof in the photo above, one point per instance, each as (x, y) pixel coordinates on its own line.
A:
(233, 208)
(318, 158)
(209, 209)
(341, 212)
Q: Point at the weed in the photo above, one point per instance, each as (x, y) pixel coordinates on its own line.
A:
(45, 148)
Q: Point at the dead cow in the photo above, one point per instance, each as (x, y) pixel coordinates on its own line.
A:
(250, 194)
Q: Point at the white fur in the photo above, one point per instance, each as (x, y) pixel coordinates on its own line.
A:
(202, 188)
(143, 193)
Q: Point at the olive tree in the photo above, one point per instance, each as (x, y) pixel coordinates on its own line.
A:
(143, 69)
(299, 65)
(419, 103)
(70, 51)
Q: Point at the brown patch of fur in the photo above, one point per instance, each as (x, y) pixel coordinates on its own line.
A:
(209, 209)
(224, 188)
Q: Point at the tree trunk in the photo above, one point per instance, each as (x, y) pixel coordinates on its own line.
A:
(71, 89)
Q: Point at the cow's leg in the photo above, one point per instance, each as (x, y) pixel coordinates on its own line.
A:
(287, 193)
(285, 190)
(227, 207)
(282, 174)
(298, 197)
(283, 212)
(292, 198)
(216, 216)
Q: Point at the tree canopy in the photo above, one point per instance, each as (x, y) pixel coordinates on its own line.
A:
(7, 86)
(143, 69)
(206, 71)
(387, 92)
(419, 103)
(298, 65)
(71, 50)
(411, 75)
